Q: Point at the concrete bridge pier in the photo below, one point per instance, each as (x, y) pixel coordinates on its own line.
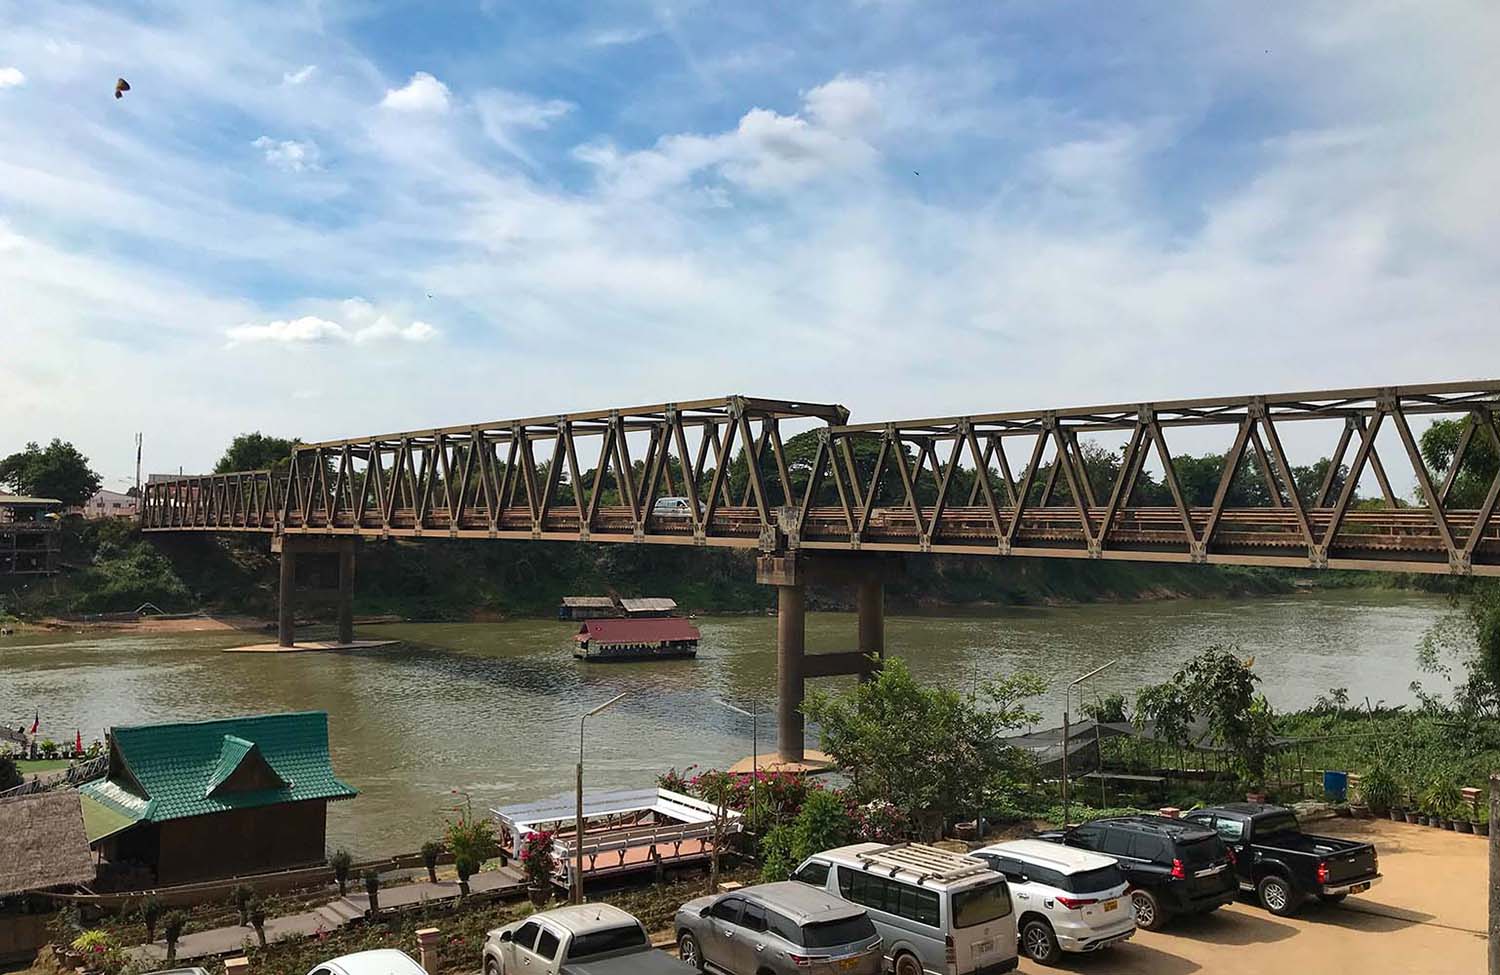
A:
(790, 574)
(290, 548)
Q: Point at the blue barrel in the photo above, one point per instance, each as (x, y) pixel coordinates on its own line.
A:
(1336, 785)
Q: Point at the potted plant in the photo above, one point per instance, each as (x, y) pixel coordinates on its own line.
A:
(431, 850)
(151, 911)
(371, 877)
(1481, 821)
(537, 863)
(341, 862)
(1446, 800)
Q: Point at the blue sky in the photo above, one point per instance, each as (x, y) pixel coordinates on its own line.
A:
(326, 219)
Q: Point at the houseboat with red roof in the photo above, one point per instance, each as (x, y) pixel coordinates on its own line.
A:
(610, 640)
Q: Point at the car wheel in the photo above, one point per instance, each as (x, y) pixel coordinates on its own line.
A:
(907, 964)
(1332, 898)
(1276, 895)
(688, 950)
(1148, 913)
(1038, 941)
(491, 967)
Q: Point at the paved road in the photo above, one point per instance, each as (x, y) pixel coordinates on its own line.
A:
(1426, 917)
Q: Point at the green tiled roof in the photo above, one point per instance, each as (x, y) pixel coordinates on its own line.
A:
(172, 771)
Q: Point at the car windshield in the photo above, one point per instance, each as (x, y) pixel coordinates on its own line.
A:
(1280, 825)
(831, 934)
(980, 904)
(610, 939)
(1089, 881)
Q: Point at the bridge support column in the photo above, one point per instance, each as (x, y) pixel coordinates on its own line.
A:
(286, 599)
(346, 592)
(794, 665)
(791, 648)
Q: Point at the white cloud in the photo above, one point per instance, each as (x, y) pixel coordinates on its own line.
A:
(766, 151)
(288, 155)
(422, 94)
(503, 113)
(614, 37)
(11, 78)
(361, 324)
(300, 75)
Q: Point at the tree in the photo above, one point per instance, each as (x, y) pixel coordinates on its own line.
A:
(57, 471)
(173, 925)
(1476, 470)
(717, 787)
(242, 895)
(151, 911)
(822, 824)
(256, 452)
(10, 776)
(341, 861)
(928, 751)
(472, 841)
(431, 850)
(258, 913)
(1221, 689)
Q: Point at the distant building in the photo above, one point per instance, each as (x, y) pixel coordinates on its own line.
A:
(649, 607)
(109, 504)
(636, 639)
(30, 543)
(587, 608)
(208, 799)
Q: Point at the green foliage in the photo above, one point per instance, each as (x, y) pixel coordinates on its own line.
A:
(1109, 709)
(537, 861)
(472, 841)
(10, 776)
(928, 751)
(150, 913)
(431, 850)
(778, 855)
(256, 452)
(823, 823)
(173, 926)
(1379, 788)
(341, 862)
(1218, 687)
(55, 471)
(241, 896)
(1477, 469)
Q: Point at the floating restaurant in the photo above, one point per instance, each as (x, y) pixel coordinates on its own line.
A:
(636, 639)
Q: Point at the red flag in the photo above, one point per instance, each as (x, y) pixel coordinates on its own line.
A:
(36, 722)
(78, 742)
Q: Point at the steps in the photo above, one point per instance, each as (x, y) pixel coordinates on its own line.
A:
(336, 914)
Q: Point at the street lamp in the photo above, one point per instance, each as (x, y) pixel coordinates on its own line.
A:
(578, 820)
(1067, 738)
(754, 736)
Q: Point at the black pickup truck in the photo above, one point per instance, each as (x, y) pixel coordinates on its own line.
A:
(1284, 866)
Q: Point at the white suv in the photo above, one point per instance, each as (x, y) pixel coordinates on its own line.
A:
(1066, 899)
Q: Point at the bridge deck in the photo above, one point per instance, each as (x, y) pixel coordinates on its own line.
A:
(935, 485)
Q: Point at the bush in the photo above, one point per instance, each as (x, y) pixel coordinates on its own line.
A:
(537, 861)
(431, 850)
(341, 862)
(10, 776)
(823, 823)
(1379, 789)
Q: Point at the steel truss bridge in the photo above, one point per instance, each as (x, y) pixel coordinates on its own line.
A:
(1000, 484)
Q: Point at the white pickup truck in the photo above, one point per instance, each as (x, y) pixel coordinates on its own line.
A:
(587, 939)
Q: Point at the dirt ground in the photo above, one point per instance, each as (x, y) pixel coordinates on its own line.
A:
(1427, 917)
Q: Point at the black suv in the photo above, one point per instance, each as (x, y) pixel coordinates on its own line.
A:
(1174, 867)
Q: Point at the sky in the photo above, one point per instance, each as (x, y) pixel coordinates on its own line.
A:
(329, 219)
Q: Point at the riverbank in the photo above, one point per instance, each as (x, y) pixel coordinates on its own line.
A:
(112, 567)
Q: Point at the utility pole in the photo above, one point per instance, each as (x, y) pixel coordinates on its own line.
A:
(138, 468)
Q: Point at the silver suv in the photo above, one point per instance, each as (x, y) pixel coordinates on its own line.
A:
(778, 929)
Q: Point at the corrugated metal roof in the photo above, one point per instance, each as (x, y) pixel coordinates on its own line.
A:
(45, 844)
(588, 602)
(24, 499)
(670, 629)
(651, 604)
(171, 771)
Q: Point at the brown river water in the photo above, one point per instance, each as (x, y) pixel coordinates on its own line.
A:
(492, 709)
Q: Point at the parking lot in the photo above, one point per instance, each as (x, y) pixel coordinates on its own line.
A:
(1427, 917)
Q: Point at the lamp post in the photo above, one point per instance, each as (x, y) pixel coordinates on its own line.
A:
(1067, 738)
(577, 891)
(754, 736)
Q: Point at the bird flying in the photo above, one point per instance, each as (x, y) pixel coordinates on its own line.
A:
(121, 87)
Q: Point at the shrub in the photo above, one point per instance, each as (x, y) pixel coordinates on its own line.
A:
(10, 776)
(777, 854)
(823, 823)
(431, 850)
(341, 862)
(537, 861)
(241, 896)
(471, 839)
(1379, 789)
(151, 911)
(173, 926)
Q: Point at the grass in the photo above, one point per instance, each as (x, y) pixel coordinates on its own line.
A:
(33, 767)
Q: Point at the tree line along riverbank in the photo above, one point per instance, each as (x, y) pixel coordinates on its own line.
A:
(110, 566)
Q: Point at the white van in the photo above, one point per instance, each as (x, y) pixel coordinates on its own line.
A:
(674, 508)
(939, 913)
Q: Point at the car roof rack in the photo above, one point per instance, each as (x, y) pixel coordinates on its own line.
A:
(922, 861)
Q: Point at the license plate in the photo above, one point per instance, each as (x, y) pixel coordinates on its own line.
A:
(1359, 888)
(983, 947)
(1210, 871)
(848, 964)
(1111, 905)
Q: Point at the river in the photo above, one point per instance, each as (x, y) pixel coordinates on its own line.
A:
(492, 709)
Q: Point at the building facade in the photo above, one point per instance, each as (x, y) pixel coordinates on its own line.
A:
(110, 504)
